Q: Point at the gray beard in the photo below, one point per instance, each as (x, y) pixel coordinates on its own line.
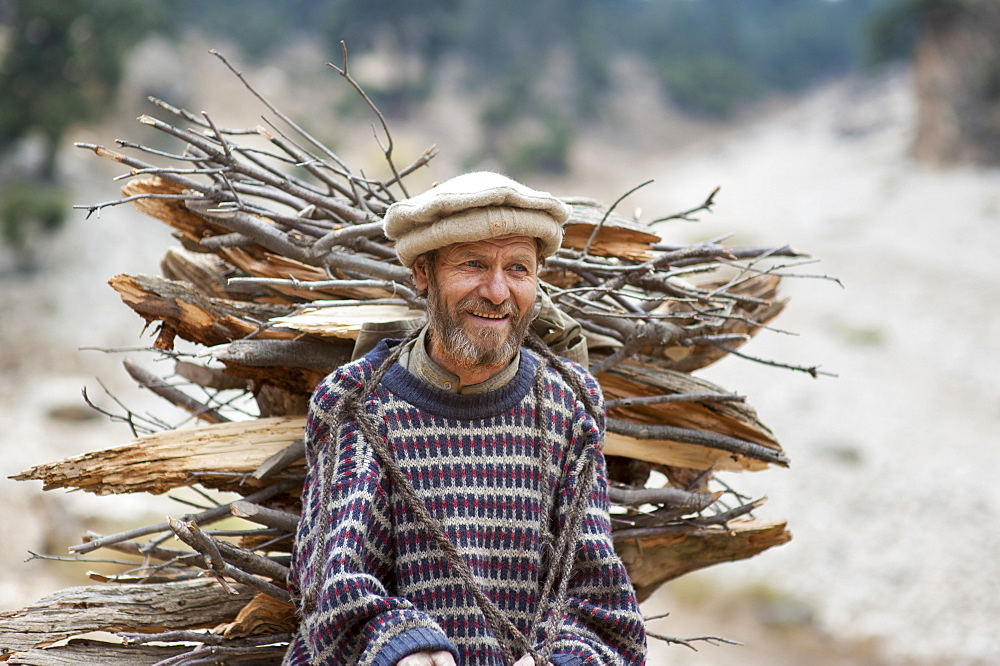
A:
(481, 347)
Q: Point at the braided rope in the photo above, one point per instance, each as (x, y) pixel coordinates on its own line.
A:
(584, 472)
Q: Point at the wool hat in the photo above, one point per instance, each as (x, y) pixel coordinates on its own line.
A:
(473, 207)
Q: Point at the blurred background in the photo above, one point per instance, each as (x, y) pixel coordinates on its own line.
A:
(866, 132)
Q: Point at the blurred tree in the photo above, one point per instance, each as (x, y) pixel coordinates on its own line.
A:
(955, 50)
(63, 65)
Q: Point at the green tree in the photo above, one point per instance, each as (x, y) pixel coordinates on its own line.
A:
(64, 63)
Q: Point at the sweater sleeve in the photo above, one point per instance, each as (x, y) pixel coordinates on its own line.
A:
(342, 562)
(602, 623)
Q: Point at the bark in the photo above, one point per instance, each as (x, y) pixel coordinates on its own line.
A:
(76, 610)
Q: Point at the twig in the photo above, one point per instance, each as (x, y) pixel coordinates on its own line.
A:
(673, 498)
(673, 397)
(200, 637)
(213, 514)
(709, 439)
(686, 642)
(221, 654)
(189, 533)
(706, 205)
(96, 208)
(812, 371)
(387, 148)
(291, 123)
(607, 213)
(158, 386)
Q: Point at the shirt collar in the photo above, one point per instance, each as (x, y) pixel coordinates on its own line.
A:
(419, 363)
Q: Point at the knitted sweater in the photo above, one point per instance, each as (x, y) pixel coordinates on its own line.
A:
(486, 472)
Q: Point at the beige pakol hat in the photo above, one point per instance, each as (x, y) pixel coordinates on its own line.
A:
(473, 207)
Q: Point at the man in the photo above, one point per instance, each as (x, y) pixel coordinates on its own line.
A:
(455, 509)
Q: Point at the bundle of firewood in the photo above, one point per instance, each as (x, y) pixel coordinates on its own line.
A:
(281, 261)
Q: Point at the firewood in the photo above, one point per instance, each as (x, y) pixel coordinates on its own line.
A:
(76, 610)
(280, 266)
(84, 651)
(264, 615)
(216, 456)
(203, 320)
(654, 560)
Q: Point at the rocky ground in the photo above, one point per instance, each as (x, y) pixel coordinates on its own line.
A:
(888, 496)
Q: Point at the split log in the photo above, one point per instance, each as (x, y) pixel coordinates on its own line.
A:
(86, 651)
(172, 212)
(654, 560)
(225, 456)
(148, 608)
(269, 265)
(219, 456)
(344, 320)
(616, 236)
(204, 272)
(196, 318)
(263, 616)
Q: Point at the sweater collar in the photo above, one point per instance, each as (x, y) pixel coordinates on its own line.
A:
(444, 403)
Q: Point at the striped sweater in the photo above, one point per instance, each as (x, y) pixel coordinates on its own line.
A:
(487, 473)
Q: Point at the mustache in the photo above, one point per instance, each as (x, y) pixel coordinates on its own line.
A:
(478, 304)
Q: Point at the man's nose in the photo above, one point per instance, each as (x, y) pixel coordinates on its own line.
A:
(494, 287)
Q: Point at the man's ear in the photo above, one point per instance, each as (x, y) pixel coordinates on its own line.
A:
(419, 270)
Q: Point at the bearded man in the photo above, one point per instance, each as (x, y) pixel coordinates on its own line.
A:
(455, 509)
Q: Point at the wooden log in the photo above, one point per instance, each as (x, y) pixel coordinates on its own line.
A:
(344, 320)
(321, 356)
(205, 272)
(171, 212)
(189, 604)
(634, 378)
(652, 561)
(263, 616)
(216, 456)
(196, 318)
(618, 236)
(86, 651)
(225, 456)
(262, 264)
(734, 419)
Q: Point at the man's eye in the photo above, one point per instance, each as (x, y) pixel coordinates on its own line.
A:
(473, 263)
(520, 268)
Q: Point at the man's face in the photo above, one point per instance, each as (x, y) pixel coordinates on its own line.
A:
(479, 300)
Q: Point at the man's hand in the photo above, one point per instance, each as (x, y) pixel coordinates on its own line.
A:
(526, 660)
(442, 658)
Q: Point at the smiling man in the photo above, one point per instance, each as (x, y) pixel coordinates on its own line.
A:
(455, 509)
